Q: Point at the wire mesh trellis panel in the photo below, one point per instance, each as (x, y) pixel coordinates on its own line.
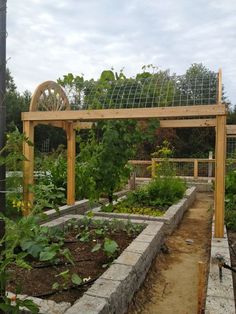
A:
(184, 169)
(159, 90)
(204, 167)
(231, 147)
(231, 153)
(142, 170)
(181, 168)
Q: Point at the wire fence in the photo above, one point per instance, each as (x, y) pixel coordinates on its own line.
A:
(183, 167)
(158, 90)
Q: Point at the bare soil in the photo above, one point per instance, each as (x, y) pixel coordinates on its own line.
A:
(38, 281)
(171, 285)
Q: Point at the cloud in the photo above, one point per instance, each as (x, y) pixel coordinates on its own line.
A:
(47, 39)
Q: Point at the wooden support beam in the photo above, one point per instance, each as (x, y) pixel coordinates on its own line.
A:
(57, 124)
(70, 163)
(82, 125)
(220, 175)
(134, 113)
(231, 129)
(28, 166)
(61, 124)
(188, 123)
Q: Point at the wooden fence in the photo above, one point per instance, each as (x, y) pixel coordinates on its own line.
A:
(196, 168)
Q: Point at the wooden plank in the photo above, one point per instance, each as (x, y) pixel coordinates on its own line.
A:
(28, 166)
(220, 175)
(58, 124)
(61, 124)
(201, 286)
(135, 113)
(83, 125)
(140, 162)
(148, 162)
(231, 129)
(153, 168)
(70, 163)
(187, 123)
(219, 98)
(195, 169)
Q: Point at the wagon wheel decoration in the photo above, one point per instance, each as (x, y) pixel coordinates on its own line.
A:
(49, 96)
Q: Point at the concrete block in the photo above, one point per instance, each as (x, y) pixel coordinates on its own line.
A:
(129, 259)
(90, 305)
(218, 305)
(117, 272)
(115, 293)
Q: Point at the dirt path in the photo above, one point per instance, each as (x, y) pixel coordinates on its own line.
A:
(171, 284)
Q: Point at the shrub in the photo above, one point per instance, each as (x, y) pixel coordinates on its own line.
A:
(230, 200)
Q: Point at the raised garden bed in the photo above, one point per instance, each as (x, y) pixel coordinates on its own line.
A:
(114, 289)
(79, 208)
(91, 248)
(171, 217)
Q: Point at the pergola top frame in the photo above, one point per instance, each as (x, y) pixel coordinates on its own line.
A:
(136, 113)
(61, 116)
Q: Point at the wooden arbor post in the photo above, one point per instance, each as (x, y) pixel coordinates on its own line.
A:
(70, 132)
(220, 152)
(48, 96)
(28, 165)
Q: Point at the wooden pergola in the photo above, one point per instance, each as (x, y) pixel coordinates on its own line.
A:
(50, 106)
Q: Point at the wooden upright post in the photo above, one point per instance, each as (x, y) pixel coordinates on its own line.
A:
(220, 175)
(70, 163)
(195, 175)
(28, 166)
(220, 154)
(153, 168)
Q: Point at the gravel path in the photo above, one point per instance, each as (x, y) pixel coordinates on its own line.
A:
(171, 284)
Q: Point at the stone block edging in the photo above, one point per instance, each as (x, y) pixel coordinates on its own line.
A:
(171, 218)
(113, 290)
(220, 295)
(79, 208)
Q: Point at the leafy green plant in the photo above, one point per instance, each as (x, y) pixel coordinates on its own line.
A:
(66, 280)
(230, 199)
(47, 196)
(164, 190)
(12, 157)
(14, 305)
(109, 247)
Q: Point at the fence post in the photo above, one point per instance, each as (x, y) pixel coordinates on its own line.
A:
(195, 170)
(132, 181)
(153, 168)
(210, 167)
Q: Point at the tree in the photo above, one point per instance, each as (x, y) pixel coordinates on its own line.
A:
(15, 103)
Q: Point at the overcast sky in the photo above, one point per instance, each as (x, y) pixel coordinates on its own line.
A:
(47, 39)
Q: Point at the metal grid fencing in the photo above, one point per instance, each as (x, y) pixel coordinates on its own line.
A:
(158, 90)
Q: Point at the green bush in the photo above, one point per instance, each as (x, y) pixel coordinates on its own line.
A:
(151, 199)
(230, 200)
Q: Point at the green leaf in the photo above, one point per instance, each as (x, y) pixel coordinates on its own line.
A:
(47, 256)
(25, 244)
(55, 286)
(6, 307)
(29, 304)
(96, 248)
(76, 279)
(110, 247)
